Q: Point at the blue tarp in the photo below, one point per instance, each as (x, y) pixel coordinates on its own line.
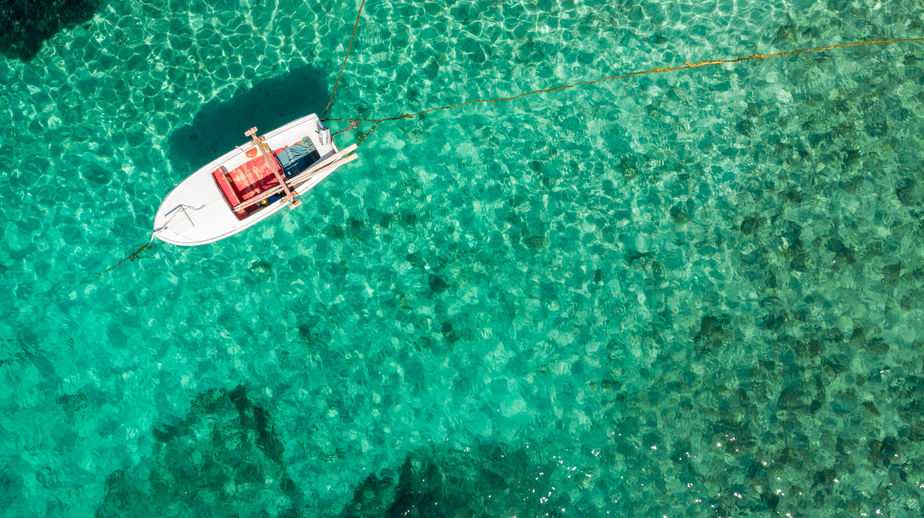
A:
(297, 158)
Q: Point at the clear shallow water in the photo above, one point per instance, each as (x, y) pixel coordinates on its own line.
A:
(685, 294)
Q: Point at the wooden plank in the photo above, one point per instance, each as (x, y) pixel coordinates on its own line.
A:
(331, 162)
(324, 161)
(272, 191)
(277, 172)
(336, 157)
(270, 160)
(307, 175)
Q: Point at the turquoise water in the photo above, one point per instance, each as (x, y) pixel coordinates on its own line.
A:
(686, 294)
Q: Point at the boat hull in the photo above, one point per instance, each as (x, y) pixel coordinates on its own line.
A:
(196, 212)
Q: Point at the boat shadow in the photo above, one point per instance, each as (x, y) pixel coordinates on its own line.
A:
(219, 126)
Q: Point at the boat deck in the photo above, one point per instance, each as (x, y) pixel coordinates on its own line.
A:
(251, 179)
(201, 209)
(248, 180)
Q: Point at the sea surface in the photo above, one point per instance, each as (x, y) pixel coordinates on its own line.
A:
(695, 293)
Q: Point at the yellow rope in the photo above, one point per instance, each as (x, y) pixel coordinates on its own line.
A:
(135, 255)
(337, 82)
(685, 66)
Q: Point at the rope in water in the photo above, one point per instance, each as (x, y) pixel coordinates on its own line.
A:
(135, 255)
(686, 65)
(353, 36)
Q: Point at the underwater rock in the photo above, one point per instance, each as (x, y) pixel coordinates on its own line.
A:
(681, 451)
(634, 255)
(744, 126)
(906, 193)
(484, 480)
(260, 267)
(304, 331)
(791, 196)
(418, 489)
(884, 451)
(771, 500)
(356, 225)
(841, 251)
(878, 346)
(449, 334)
(791, 398)
(629, 165)
(808, 349)
(334, 231)
(437, 284)
(26, 24)
(536, 242)
(877, 126)
(10, 485)
(223, 459)
(891, 272)
(751, 224)
(824, 477)
(373, 497)
(72, 403)
(713, 331)
(871, 407)
(416, 260)
(382, 219)
(775, 316)
(678, 215)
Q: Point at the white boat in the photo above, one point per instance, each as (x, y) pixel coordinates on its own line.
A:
(249, 183)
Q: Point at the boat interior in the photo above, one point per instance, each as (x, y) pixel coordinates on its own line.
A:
(259, 174)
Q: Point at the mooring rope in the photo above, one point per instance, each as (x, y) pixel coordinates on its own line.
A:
(337, 82)
(135, 255)
(686, 65)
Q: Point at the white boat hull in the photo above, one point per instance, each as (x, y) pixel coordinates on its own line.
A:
(196, 212)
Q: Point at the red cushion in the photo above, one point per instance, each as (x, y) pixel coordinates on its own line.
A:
(230, 195)
(255, 176)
